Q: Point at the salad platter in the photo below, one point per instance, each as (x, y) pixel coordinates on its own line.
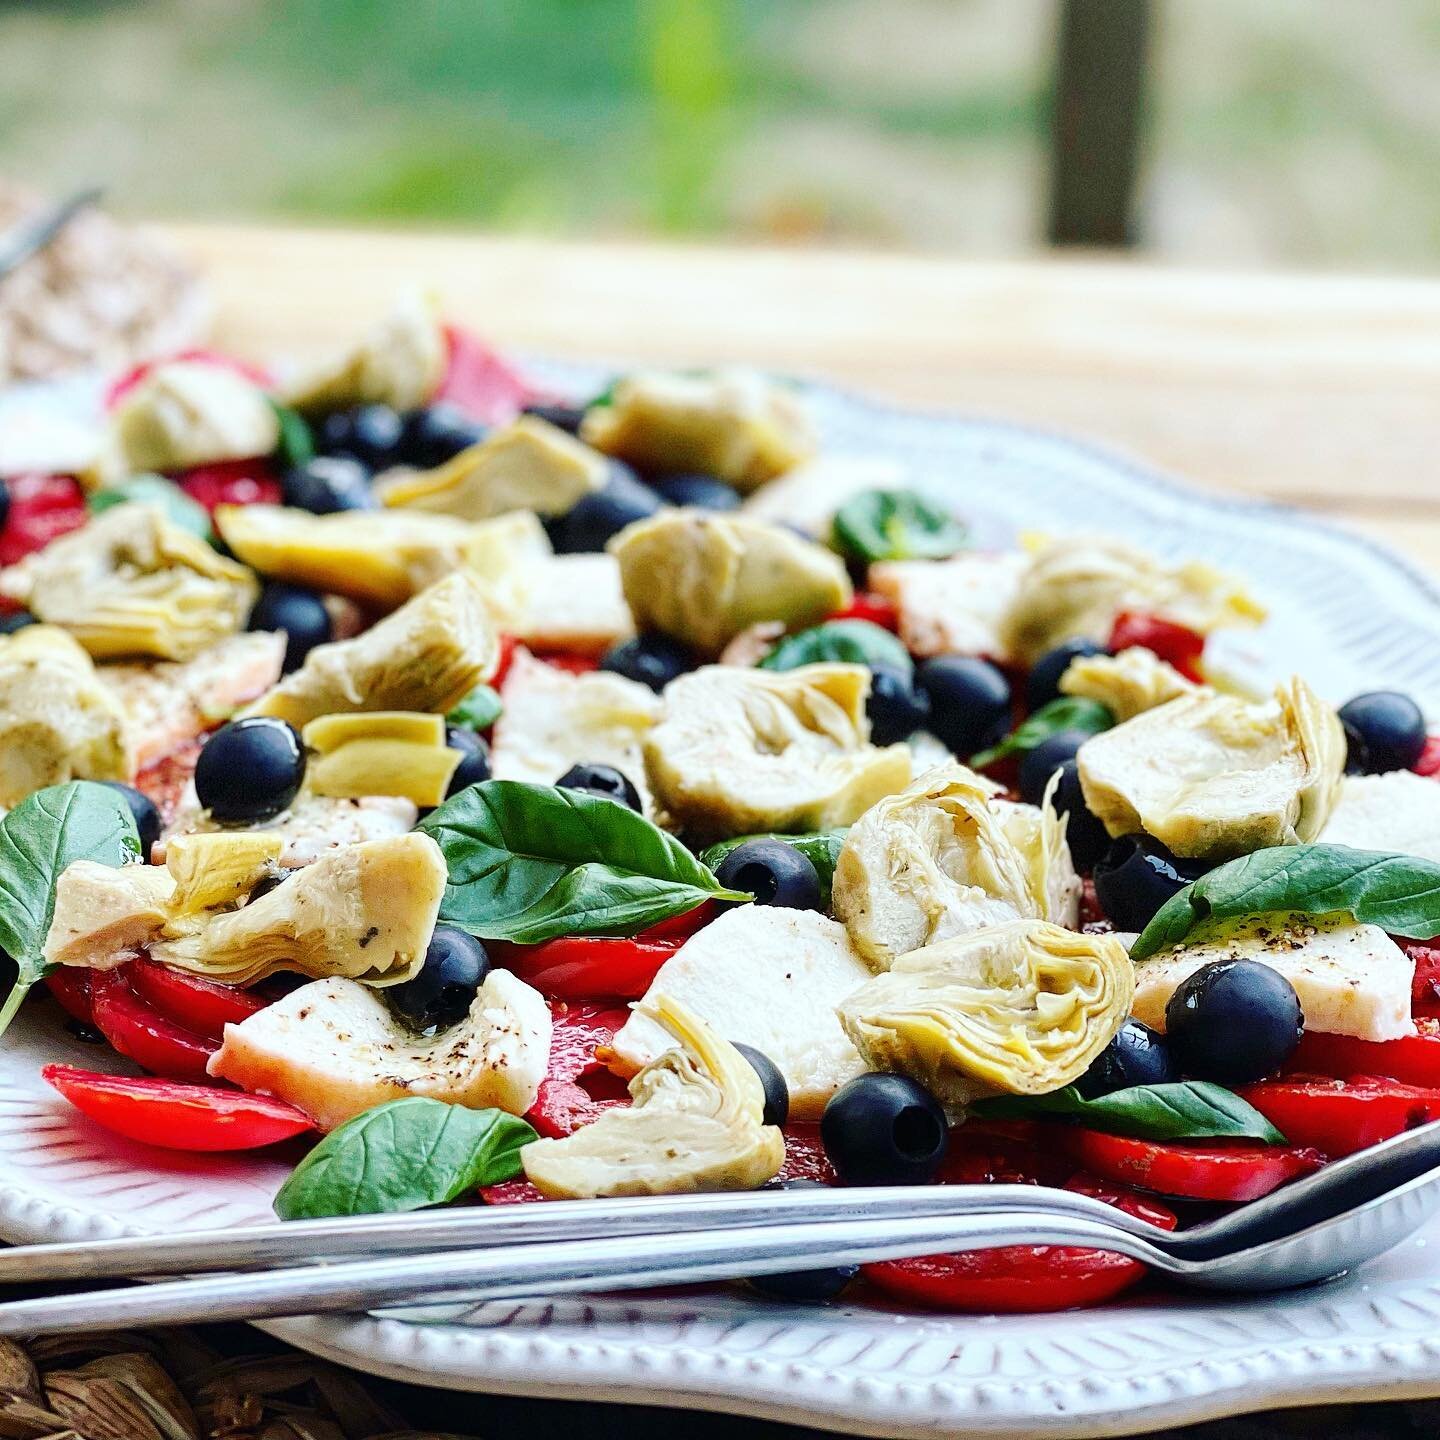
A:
(969, 915)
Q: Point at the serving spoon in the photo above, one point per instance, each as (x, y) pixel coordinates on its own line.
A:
(1330, 1222)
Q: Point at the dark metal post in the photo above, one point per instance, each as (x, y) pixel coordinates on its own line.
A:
(1098, 98)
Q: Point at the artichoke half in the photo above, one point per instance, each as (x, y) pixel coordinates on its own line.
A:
(131, 583)
(1074, 589)
(946, 857)
(400, 363)
(734, 424)
(1127, 684)
(741, 751)
(1214, 776)
(1020, 1008)
(703, 578)
(695, 1123)
(528, 465)
(58, 720)
(426, 656)
(381, 752)
(364, 911)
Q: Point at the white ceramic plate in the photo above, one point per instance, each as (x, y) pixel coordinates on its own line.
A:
(1347, 615)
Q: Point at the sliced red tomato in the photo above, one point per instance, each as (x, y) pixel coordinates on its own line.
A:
(132, 377)
(1220, 1170)
(570, 663)
(1177, 644)
(506, 647)
(577, 1087)
(138, 1030)
(175, 1116)
(1342, 1116)
(42, 508)
(480, 382)
(1429, 761)
(805, 1157)
(165, 781)
(203, 1006)
(1425, 983)
(70, 985)
(867, 605)
(683, 926)
(510, 1192)
(1412, 1059)
(232, 482)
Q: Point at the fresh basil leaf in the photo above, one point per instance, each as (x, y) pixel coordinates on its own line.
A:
(1189, 1110)
(39, 838)
(1065, 712)
(854, 642)
(895, 525)
(821, 849)
(532, 862)
(164, 495)
(479, 710)
(404, 1155)
(297, 443)
(1399, 893)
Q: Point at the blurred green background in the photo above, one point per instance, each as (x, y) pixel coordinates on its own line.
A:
(1279, 131)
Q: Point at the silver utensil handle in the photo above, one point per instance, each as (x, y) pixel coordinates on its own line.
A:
(261, 1247)
(557, 1268)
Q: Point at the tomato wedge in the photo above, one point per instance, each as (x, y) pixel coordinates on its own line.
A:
(232, 482)
(204, 1006)
(42, 508)
(1238, 1170)
(868, 605)
(1177, 644)
(481, 383)
(175, 1116)
(1342, 1116)
(1412, 1059)
(140, 1031)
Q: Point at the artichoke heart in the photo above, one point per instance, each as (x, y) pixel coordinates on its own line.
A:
(1127, 684)
(1213, 776)
(734, 424)
(190, 412)
(381, 559)
(740, 751)
(364, 911)
(399, 363)
(528, 465)
(58, 719)
(703, 578)
(695, 1123)
(946, 857)
(383, 752)
(1074, 589)
(132, 583)
(426, 656)
(1023, 1008)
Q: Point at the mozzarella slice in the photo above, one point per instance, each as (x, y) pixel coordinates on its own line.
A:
(1351, 979)
(553, 720)
(574, 602)
(951, 607)
(333, 1049)
(1399, 811)
(768, 978)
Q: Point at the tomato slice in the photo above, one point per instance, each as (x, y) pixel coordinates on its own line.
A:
(479, 382)
(867, 605)
(42, 508)
(1425, 984)
(232, 482)
(175, 1116)
(138, 1030)
(132, 377)
(166, 781)
(1342, 1116)
(1235, 1170)
(577, 1087)
(1429, 761)
(204, 1006)
(1412, 1059)
(70, 985)
(570, 663)
(1177, 644)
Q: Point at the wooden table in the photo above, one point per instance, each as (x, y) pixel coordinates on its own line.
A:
(1320, 391)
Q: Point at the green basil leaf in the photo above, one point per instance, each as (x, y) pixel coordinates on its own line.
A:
(532, 862)
(1399, 893)
(39, 838)
(821, 849)
(404, 1155)
(297, 443)
(165, 495)
(895, 525)
(479, 710)
(1065, 712)
(1189, 1110)
(853, 642)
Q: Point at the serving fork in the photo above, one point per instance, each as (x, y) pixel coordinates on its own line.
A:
(1316, 1228)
